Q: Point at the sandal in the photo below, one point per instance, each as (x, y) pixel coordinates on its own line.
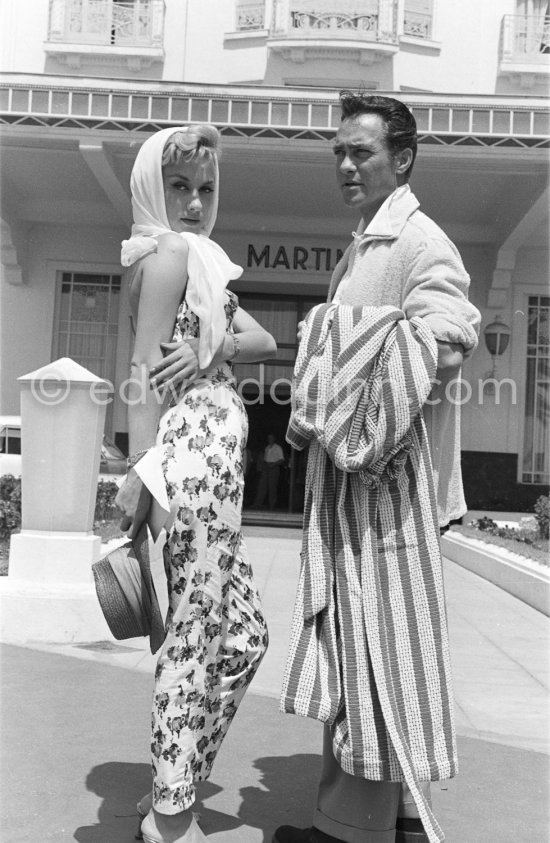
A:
(193, 834)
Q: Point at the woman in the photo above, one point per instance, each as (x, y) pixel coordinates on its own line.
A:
(215, 631)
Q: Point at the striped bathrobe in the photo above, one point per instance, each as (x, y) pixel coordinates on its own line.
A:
(369, 650)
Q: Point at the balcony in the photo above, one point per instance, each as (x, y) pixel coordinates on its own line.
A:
(417, 24)
(249, 24)
(303, 29)
(525, 49)
(114, 32)
(250, 16)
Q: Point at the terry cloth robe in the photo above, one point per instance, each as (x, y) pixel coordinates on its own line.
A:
(369, 650)
(402, 258)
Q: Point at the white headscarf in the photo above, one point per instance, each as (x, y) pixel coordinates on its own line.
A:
(209, 268)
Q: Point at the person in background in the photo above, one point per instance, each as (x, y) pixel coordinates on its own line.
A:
(273, 460)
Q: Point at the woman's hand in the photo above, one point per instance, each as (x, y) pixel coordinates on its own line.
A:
(180, 364)
(300, 331)
(134, 501)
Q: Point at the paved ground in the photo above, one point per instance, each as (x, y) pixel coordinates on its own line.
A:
(75, 728)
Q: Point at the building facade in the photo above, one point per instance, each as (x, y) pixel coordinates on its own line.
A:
(84, 82)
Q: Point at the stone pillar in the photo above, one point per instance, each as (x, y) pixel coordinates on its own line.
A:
(49, 592)
(62, 419)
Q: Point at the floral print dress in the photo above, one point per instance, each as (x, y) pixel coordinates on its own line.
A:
(216, 633)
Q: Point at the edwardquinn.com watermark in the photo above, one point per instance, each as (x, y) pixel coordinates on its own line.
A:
(137, 390)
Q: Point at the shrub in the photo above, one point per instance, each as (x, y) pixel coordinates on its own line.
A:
(105, 508)
(10, 505)
(542, 514)
(522, 533)
(486, 524)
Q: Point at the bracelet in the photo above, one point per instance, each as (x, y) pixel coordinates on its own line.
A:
(236, 346)
(135, 458)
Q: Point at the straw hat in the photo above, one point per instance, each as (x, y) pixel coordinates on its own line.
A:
(126, 592)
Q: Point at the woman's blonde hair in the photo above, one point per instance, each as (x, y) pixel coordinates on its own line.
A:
(201, 141)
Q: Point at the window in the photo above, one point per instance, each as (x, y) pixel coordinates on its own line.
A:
(250, 15)
(86, 327)
(531, 26)
(418, 19)
(536, 456)
(10, 440)
(126, 23)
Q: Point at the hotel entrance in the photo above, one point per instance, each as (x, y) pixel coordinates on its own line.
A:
(266, 391)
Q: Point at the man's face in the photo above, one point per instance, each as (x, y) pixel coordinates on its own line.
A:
(365, 167)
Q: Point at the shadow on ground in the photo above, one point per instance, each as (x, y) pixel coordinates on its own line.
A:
(118, 785)
(265, 775)
(285, 793)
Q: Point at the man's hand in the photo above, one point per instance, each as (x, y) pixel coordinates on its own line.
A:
(180, 364)
(134, 501)
(449, 359)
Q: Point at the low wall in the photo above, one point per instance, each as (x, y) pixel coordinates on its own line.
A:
(524, 579)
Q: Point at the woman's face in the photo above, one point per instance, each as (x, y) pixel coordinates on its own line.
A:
(189, 194)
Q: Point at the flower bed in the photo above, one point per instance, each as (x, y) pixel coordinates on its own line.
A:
(537, 549)
(528, 538)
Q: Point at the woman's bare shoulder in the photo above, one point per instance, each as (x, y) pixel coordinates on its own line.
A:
(170, 257)
(172, 243)
(165, 270)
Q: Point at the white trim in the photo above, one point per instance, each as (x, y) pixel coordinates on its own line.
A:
(502, 279)
(518, 356)
(149, 87)
(133, 58)
(247, 35)
(96, 157)
(427, 43)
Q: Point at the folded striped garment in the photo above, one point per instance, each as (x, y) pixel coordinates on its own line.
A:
(369, 652)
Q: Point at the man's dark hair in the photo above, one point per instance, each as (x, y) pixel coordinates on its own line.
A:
(399, 120)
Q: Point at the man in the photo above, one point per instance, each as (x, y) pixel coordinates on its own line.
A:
(398, 258)
(273, 459)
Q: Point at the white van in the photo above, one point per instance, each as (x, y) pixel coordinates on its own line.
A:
(10, 445)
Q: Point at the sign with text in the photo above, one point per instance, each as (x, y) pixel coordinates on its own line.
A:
(313, 258)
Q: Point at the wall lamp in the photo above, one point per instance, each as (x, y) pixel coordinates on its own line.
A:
(497, 337)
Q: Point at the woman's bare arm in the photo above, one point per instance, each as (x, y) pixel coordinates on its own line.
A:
(254, 344)
(163, 279)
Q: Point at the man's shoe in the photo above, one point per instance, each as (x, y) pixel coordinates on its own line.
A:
(410, 830)
(291, 834)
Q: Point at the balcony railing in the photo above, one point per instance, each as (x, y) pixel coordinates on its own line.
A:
(329, 19)
(525, 39)
(334, 21)
(417, 24)
(124, 23)
(250, 16)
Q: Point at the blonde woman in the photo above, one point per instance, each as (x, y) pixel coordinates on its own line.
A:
(215, 630)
